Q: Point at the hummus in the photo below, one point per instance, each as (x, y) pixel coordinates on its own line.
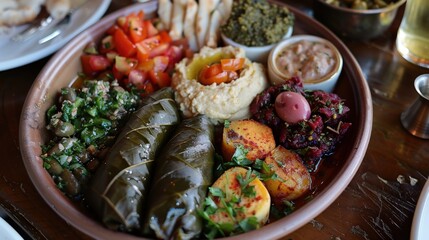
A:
(225, 101)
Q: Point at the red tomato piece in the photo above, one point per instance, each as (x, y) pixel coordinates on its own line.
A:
(151, 42)
(203, 73)
(232, 64)
(211, 71)
(161, 79)
(86, 67)
(146, 65)
(159, 50)
(98, 62)
(147, 88)
(165, 37)
(145, 47)
(213, 74)
(219, 78)
(143, 52)
(124, 21)
(151, 30)
(137, 31)
(119, 75)
(93, 64)
(112, 29)
(123, 44)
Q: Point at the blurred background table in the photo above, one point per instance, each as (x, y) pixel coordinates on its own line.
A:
(379, 203)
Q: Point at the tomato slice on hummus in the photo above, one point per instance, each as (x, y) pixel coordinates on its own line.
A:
(232, 64)
(223, 72)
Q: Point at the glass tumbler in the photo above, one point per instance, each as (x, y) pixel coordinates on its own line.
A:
(412, 40)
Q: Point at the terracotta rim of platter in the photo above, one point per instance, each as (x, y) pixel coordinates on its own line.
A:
(61, 64)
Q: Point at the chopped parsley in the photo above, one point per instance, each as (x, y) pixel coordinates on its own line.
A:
(84, 122)
(229, 203)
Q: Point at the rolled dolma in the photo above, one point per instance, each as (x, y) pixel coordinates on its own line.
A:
(119, 187)
(182, 176)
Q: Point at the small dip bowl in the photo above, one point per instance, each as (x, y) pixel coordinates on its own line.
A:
(256, 54)
(315, 60)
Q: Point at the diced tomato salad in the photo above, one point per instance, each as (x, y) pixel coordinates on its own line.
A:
(136, 53)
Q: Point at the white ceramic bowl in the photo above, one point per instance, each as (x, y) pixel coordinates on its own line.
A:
(326, 82)
(256, 54)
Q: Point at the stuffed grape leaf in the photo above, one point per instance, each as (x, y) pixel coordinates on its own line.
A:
(118, 189)
(182, 176)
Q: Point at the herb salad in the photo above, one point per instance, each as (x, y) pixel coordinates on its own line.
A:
(84, 123)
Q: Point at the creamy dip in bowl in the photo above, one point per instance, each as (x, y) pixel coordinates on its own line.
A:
(315, 60)
(224, 101)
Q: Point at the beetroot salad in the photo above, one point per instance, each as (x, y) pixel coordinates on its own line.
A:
(314, 138)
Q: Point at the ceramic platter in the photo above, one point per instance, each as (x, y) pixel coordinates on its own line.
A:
(64, 65)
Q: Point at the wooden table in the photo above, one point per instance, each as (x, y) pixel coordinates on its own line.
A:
(377, 204)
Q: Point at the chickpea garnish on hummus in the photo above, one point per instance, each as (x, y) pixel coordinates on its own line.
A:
(219, 97)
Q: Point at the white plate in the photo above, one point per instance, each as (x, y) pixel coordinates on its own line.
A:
(7, 232)
(420, 227)
(15, 54)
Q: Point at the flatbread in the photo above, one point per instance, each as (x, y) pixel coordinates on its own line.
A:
(212, 35)
(197, 21)
(189, 24)
(177, 19)
(164, 13)
(203, 19)
(225, 8)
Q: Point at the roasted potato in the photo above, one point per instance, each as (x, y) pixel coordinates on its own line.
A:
(252, 135)
(293, 177)
(256, 204)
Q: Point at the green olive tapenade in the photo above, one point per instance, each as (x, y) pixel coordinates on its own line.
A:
(257, 22)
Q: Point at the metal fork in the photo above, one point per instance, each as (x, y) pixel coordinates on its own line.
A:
(38, 28)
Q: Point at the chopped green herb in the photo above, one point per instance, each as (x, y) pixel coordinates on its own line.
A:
(246, 189)
(226, 123)
(249, 224)
(85, 121)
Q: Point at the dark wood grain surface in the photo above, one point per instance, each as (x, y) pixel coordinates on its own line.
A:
(379, 203)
